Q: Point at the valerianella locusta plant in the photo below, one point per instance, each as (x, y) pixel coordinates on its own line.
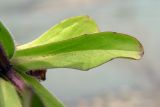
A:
(74, 43)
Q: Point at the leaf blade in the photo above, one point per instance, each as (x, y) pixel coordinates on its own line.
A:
(8, 95)
(84, 52)
(6, 41)
(67, 29)
(48, 100)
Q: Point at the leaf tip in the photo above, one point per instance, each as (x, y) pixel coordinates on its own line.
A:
(141, 53)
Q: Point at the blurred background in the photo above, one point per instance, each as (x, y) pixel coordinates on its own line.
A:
(119, 83)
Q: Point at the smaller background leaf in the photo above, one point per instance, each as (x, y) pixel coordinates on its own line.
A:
(67, 29)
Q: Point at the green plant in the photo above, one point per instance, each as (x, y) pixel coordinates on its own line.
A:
(74, 43)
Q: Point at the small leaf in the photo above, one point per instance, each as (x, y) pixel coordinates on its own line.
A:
(48, 100)
(83, 52)
(67, 29)
(8, 95)
(6, 41)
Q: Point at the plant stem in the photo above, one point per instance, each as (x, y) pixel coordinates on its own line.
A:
(15, 79)
(7, 71)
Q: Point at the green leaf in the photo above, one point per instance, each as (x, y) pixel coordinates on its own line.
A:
(8, 95)
(37, 102)
(6, 41)
(30, 98)
(83, 52)
(69, 28)
(48, 100)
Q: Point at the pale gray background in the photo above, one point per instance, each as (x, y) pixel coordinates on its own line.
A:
(28, 19)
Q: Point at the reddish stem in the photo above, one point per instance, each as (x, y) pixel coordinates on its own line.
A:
(15, 79)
